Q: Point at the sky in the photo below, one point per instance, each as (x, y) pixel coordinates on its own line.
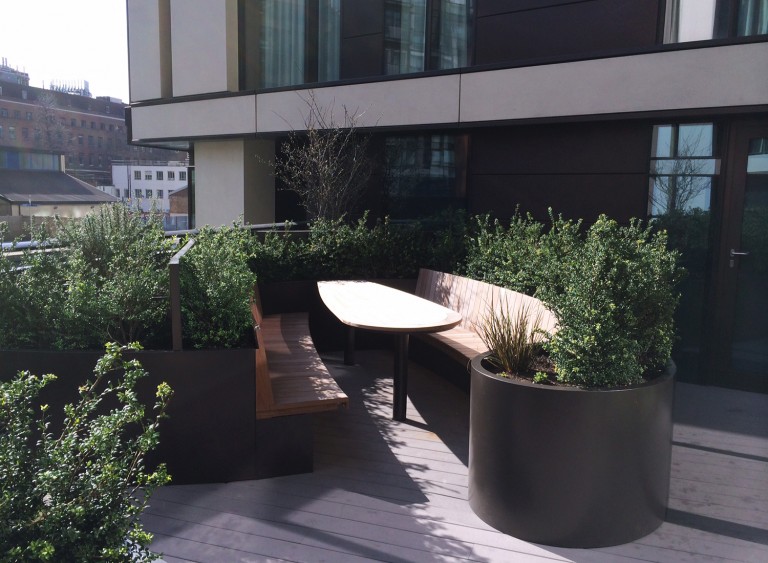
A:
(68, 40)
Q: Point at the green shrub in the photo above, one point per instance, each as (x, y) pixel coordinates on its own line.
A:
(106, 281)
(338, 249)
(614, 306)
(118, 262)
(522, 256)
(216, 286)
(78, 495)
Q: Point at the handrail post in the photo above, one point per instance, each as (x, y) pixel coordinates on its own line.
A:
(175, 296)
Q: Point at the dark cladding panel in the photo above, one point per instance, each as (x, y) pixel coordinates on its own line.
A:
(362, 56)
(620, 196)
(589, 148)
(493, 7)
(565, 30)
(361, 17)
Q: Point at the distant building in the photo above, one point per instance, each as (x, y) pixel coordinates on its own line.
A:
(33, 186)
(148, 185)
(180, 208)
(90, 132)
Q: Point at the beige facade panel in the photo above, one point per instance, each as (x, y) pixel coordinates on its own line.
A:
(233, 183)
(234, 115)
(416, 101)
(204, 46)
(675, 80)
(149, 49)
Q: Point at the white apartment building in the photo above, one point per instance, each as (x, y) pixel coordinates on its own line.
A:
(147, 185)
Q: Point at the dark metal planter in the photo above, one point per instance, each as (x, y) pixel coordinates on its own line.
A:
(569, 467)
(211, 434)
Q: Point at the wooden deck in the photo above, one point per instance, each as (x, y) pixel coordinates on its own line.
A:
(396, 491)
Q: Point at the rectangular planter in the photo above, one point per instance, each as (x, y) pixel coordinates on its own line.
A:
(211, 434)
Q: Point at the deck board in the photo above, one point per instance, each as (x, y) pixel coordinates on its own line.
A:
(396, 491)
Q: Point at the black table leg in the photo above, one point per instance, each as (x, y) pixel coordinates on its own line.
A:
(401, 377)
(349, 351)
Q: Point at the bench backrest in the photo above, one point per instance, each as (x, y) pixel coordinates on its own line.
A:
(264, 397)
(473, 299)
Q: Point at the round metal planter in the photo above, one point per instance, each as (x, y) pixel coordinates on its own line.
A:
(569, 467)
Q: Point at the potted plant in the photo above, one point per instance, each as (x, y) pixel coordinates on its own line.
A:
(575, 452)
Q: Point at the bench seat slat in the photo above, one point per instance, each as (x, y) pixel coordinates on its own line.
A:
(291, 374)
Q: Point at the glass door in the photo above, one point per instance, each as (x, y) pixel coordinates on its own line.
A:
(740, 335)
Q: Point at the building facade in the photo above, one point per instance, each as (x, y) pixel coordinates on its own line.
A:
(90, 132)
(148, 186)
(634, 108)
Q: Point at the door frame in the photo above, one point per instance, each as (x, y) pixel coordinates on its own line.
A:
(725, 278)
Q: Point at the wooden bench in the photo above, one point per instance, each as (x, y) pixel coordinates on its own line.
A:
(290, 376)
(473, 300)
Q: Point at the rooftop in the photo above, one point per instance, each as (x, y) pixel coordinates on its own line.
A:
(45, 186)
(397, 491)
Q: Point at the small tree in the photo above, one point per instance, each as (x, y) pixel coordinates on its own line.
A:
(327, 165)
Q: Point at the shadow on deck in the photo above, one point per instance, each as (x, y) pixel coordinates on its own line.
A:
(391, 491)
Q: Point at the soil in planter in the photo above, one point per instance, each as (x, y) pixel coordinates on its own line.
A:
(542, 364)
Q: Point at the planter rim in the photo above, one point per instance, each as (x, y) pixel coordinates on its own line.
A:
(477, 364)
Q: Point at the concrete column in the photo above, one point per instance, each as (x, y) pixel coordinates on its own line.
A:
(232, 180)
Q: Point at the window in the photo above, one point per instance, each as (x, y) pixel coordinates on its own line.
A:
(16, 114)
(82, 124)
(93, 125)
(148, 194)
(404, 32)
(137, 194)
(279, 35)
(137, 174)
(171, 175)
(422, 175)
(12, 133)
(682, 168)
(159, 175)
(90, 140)
(111, 127)
(409, 47)
(3, 112)
(159, 194)
(73, 122)
(450, 48)
(102, 126)
(1, 131)
(148, 175)
(100, 142)
(699, 20)
(182, 176)
(25, 133)
(29, 116)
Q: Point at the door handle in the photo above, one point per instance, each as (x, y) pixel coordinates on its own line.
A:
(733, 254)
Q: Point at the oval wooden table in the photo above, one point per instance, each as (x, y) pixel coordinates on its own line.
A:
(372, 306)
